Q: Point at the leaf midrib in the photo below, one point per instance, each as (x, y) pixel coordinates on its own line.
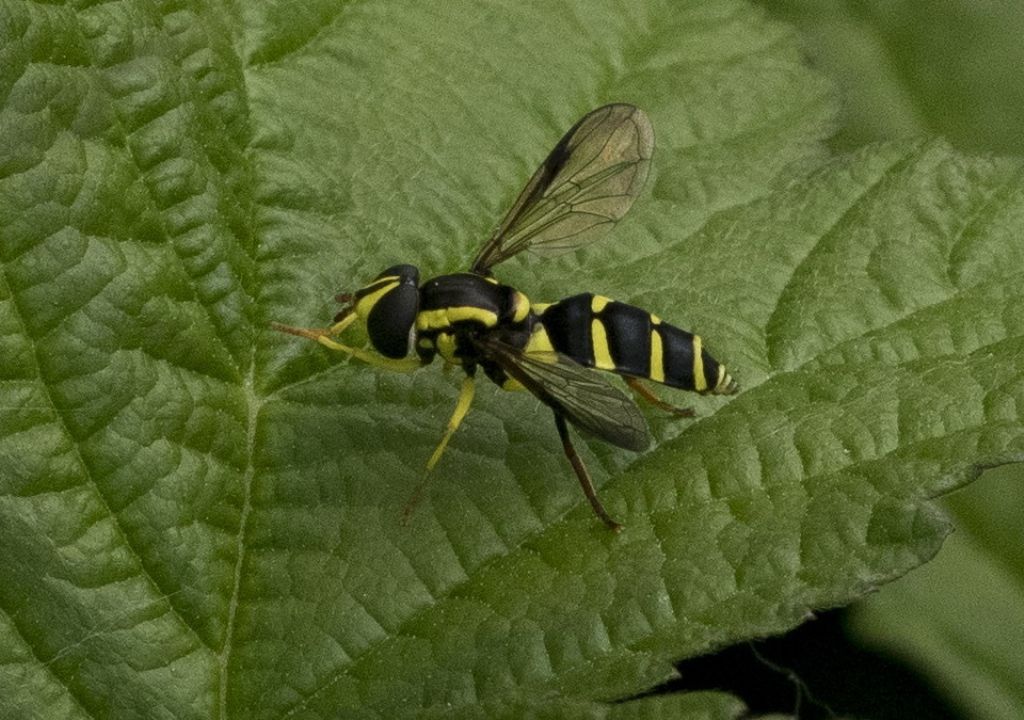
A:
(88, 474)
(254, 404)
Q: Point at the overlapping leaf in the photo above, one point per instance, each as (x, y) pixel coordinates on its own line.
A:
(202, 519)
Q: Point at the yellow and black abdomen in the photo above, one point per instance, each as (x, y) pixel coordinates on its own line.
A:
(609, 335)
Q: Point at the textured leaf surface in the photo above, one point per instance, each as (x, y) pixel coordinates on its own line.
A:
(960, 617)
(954, 68)
(950, 67)
(200, 518)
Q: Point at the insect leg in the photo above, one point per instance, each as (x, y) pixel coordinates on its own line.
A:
(645, 392)
(583, 475)
(343, 321)
(466, 393)
(323, 336)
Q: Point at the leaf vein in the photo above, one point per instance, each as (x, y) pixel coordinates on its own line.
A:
(61, 423)
(875, 186)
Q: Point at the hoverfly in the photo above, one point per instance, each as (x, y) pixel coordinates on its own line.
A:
(586, 184)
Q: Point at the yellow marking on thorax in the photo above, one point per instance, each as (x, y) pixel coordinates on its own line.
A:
(597, 303)
(539, 341)
(599, 340)
(521, 307)
(442, 318)
(365, 304)
(700, 383)
(445, 344)
(539, 308)
(657, 373)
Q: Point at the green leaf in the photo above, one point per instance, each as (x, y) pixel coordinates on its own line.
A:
(201, 518)
(952, 68)
(907, 68)
(959, 617)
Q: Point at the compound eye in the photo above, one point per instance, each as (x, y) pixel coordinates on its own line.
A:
(389, 321)
(404, 273)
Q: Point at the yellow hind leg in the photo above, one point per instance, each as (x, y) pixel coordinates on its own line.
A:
(466, 393)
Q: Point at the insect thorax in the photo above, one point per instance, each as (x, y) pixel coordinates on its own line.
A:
(454, 309)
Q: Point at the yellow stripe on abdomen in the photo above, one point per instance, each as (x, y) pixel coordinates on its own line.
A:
(700, 383)
(599, 339)
(657, 373)
(725, 385)
(539, 341)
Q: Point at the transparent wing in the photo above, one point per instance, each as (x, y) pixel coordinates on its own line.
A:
(576, 392)
(585, 186)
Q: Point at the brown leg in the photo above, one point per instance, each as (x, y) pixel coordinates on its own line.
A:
(645, 392)
(583, 475)
(313, 334)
